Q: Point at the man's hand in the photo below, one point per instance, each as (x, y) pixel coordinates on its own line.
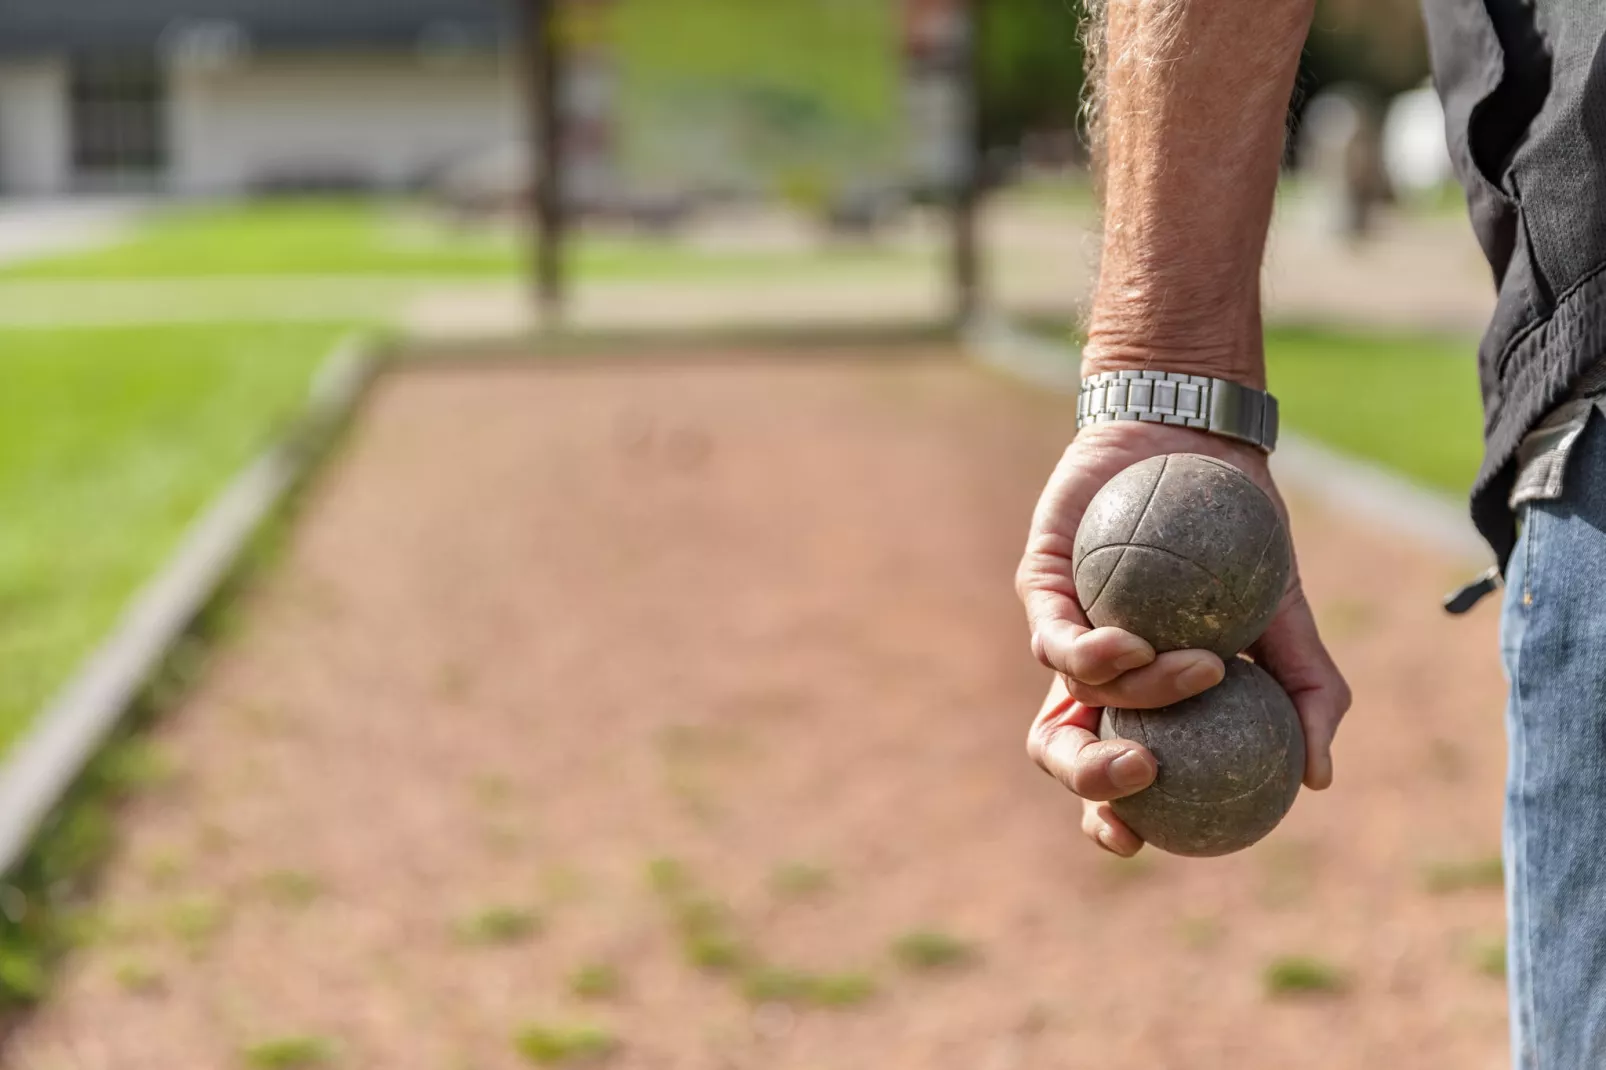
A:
(1101, 667)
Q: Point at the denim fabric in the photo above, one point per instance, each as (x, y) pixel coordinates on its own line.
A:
(1553, 643)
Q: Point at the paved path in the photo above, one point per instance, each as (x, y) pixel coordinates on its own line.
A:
(30, 229)
(543, 624)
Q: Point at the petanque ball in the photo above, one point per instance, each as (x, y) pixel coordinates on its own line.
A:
(1185, 551)
(1230, 764)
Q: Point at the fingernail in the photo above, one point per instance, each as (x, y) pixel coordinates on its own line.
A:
(1199, 676)
(1129, 769)
(1134, 659)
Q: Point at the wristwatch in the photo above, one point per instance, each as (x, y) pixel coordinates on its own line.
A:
(1219, 406)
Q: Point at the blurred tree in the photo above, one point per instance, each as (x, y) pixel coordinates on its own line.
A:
(1378, 44)
(1032, 58)
(1031, 67)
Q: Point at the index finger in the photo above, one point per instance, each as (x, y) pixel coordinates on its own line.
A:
(1063, 641)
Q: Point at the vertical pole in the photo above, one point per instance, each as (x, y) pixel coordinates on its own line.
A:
(967, 190)
(545, 50)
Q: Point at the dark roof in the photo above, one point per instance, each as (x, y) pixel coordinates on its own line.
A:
(40, 26)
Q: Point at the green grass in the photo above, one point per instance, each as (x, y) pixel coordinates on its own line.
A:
(196, 921)
(667, 877)
(289, 1053)
(1426, 423)
(1294, 975)
(1444, 877)
(927, 950)
(596, 980)
(299, 238)
(293, 889)
(800, 880)
(707, 939)
(1409, 402)
(138, 977)
(498, 926)
(773, 984)
(279, 237)
(1489, 958)
(111, 442)
(544, 1044)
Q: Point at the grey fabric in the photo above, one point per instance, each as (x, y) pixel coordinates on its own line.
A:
(1545, 452)
(1524, 88)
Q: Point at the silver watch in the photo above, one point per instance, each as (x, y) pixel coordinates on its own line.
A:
(1219, 406)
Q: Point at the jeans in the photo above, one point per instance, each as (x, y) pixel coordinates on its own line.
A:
(1553, 643)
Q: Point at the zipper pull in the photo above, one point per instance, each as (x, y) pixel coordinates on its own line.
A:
(1463, 600)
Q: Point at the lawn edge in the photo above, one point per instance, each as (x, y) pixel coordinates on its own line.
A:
(1336, 480)
(38, 773)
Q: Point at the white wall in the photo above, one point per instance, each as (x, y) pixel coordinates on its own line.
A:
(34, 142)
(386, 117)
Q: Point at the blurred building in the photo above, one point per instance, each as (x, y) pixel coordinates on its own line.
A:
(209, 97)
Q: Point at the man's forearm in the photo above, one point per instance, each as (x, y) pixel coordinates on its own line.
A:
(1192, 115)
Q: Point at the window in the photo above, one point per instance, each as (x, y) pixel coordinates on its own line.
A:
(119, 133)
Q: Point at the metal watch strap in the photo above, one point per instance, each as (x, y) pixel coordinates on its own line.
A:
(1219, 406)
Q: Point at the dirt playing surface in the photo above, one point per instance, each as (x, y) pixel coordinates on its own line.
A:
(540, 626)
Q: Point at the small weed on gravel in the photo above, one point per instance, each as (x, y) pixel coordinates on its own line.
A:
(556, 1045)
(667, 878)
(498, 925)
(289, 1053)
(138, 978)
(262, 720)
(1442, 878)
(491, 789)
(595, 980)
(291, 888)
(800, 880)
(1199, 932)
(194, 922)
(704, 926)
(139, 765)
(213, 839)
(564, 884)
(771, 984)
(453, 681)
(707, 939)
(928, 950)
(164, 867)
(1293, 975)
(504, 838)
(1489, 957)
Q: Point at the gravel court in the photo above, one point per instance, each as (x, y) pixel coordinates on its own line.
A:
(541, 628)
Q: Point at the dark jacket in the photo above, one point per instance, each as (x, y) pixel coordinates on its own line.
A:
(1524, 90)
